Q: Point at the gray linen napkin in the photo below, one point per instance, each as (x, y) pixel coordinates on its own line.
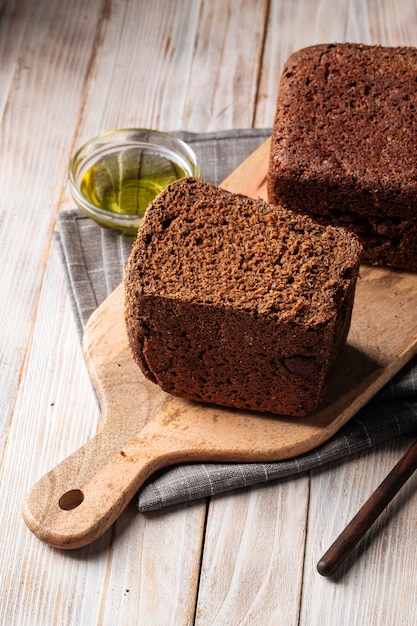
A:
(94, 259)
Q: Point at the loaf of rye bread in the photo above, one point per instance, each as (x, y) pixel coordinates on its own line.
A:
(344, 145)
(233, 301)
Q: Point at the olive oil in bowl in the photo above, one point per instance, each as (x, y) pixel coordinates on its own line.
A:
(126, 182)
(114, 177)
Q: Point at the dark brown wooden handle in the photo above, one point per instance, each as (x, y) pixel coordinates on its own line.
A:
(369, 512)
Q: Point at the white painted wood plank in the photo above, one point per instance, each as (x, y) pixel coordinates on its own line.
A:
(55, 412)
(36, 134)
(226, 64)
(141, 70)
(12, 26)
(386, 23)
(207, 71)
(153, 571)
(253, 556)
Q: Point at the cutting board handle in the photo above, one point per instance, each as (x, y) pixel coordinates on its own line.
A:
(66, 514)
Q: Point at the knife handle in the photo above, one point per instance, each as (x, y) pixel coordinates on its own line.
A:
(370, 511)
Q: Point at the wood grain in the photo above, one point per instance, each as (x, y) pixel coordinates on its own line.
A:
(267, 561)
(36, 77)
(79, 500)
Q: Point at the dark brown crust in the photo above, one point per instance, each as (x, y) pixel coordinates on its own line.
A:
(205, 332)
(344, 142)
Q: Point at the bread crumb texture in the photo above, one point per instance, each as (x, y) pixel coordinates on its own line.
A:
(205, 245)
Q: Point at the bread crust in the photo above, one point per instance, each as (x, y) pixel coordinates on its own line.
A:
(344, 142)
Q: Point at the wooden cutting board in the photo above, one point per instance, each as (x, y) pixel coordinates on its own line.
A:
(145, 429)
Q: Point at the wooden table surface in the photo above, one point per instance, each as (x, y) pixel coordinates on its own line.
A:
(69, 70)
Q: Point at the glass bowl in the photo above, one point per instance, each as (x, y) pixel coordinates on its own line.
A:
(114, 176)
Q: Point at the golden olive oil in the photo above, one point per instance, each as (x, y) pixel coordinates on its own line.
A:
(126, 182)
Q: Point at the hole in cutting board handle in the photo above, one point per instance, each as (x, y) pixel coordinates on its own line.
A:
(71, 499)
